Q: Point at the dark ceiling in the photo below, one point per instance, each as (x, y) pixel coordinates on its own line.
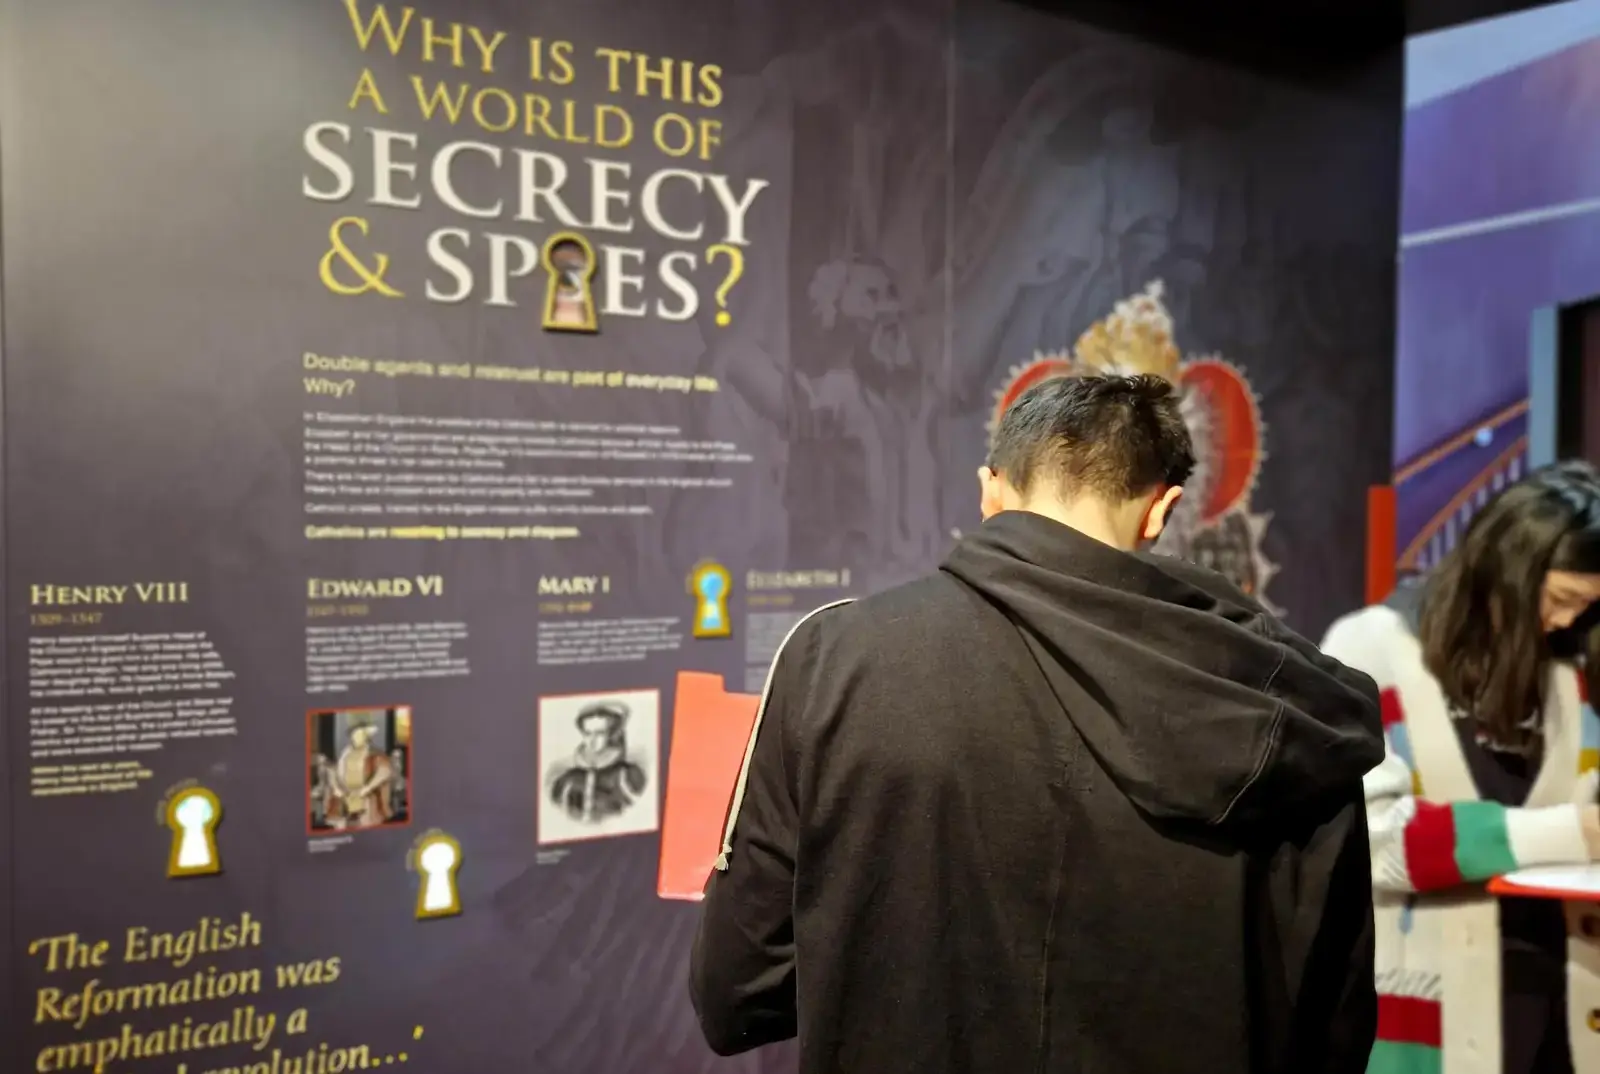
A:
(1284, 34)
(1425, 15)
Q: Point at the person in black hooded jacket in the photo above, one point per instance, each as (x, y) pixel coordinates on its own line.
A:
(1063, 806)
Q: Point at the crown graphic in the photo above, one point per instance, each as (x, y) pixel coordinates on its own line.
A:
(1136, 338)
(1219, 406)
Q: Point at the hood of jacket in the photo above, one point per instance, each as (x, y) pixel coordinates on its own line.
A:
(1199, 704)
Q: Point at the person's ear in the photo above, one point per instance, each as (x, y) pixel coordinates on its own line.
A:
(1155, 519)
(989, 503)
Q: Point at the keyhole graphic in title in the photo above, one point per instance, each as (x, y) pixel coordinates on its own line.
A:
(710, 583)
(193, 815)
(569, 261)
(438, 860)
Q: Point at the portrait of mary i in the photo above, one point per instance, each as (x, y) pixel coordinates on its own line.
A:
(598, 781)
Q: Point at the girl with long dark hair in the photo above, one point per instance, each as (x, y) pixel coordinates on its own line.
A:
(1486, 665)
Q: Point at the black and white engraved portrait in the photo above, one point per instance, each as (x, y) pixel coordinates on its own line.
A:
(598, 753)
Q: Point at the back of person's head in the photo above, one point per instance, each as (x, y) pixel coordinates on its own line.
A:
(1519, 589)
(1106, 455)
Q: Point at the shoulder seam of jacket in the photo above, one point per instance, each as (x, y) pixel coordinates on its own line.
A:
(1271, 745)
(755, 730)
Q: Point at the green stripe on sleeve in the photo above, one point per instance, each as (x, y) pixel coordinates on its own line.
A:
(1393, 1057)
(1483, 847)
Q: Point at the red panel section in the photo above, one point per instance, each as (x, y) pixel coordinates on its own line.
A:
(1382, 553)
(1430, 842)
(1392, 712)
(1406, 1020)
(710, 730)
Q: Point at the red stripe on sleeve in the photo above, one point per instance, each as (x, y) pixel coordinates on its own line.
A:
(1408, 1020)
(1392, 712)
(1430, 842)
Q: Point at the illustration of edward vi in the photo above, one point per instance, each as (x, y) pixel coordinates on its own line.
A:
(359, 765)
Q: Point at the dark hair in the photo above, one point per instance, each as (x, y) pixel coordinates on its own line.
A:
(1480, 626)
(1116, 437)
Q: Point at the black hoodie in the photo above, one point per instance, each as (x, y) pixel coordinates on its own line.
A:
(1056, 808)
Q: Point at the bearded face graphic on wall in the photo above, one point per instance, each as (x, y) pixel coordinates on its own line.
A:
(1213, 523)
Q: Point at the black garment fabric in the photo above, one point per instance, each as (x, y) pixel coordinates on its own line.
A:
(1056, 808)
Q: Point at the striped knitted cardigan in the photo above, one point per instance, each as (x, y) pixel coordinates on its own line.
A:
(1435, 842)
